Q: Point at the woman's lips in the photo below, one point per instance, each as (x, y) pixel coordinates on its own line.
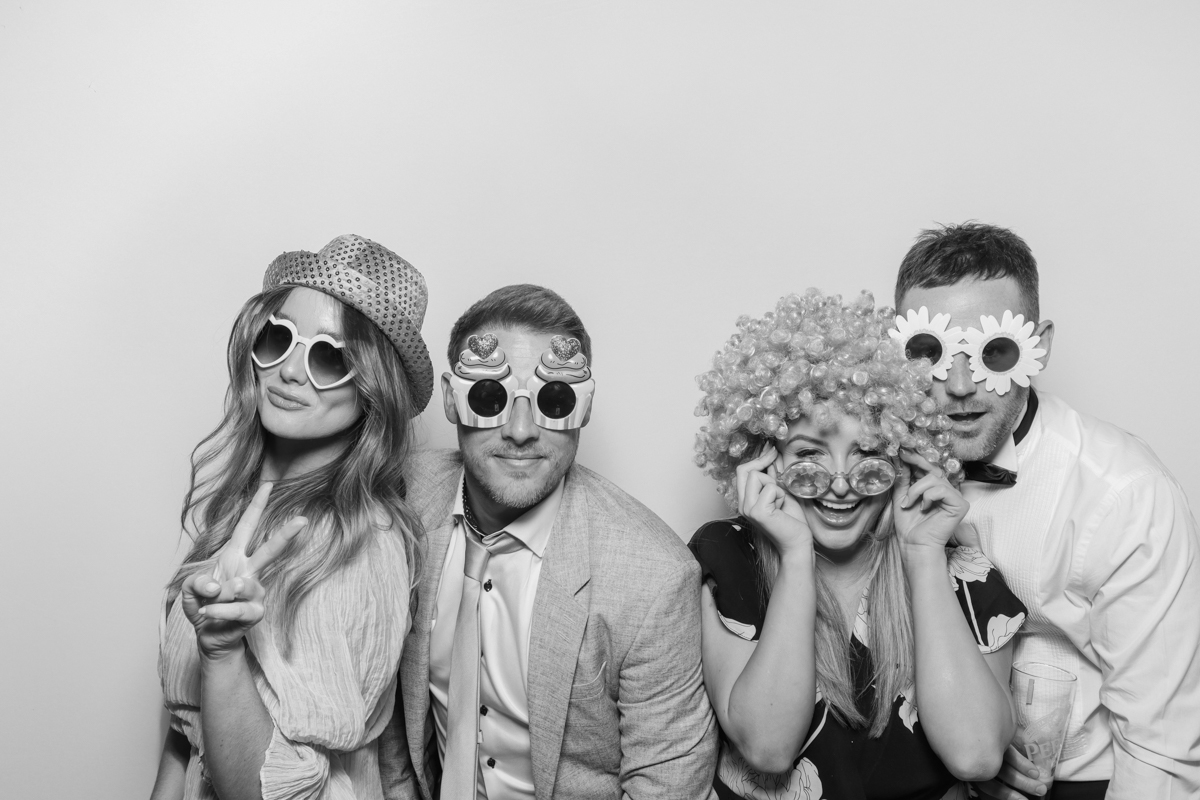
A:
(837, 513)
(281, 399)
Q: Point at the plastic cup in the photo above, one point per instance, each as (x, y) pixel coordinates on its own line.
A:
(1043, 695)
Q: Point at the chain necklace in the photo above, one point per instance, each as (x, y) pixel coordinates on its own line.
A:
(468, 513)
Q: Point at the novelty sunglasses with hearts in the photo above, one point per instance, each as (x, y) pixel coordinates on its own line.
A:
(1002, 353)
(485, 390)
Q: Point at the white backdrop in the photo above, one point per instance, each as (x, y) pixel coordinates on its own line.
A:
(666, 166)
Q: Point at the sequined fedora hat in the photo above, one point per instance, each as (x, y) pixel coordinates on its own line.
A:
(388, 290)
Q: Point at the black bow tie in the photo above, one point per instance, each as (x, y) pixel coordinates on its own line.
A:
(984, 472)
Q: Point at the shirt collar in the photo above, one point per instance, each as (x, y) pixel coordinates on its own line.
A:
(533, 527)
(1006, 456)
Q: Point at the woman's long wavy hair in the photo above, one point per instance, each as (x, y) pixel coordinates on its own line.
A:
(816, 358)
(361, 493)
(889, 630)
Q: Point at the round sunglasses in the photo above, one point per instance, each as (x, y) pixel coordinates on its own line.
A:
(808, 479)
(324, 362)
(999, 354)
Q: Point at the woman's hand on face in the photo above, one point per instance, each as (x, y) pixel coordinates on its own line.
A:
(771, 509)
(927, 508)
(223, 606)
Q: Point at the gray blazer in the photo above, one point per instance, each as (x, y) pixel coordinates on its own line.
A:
(617, 707)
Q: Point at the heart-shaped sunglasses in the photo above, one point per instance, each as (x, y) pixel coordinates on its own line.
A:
(324, 362)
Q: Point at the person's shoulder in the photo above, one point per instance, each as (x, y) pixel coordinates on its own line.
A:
(719, 533)
(379, 567)
(729, 564)
(623, 519)
(434, 462)
(386, 541)
(1106, 452)
(427, 469)
(723, 545)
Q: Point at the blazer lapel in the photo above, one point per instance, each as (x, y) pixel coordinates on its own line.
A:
(414, 662)
(560, 614)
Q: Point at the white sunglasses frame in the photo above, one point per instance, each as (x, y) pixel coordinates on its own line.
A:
(307, 342)
(584, 391)
(959, 340)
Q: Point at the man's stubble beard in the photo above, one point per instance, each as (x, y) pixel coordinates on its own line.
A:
(518, 495)
(981, 447)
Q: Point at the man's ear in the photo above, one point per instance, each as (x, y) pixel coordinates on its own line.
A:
(1045, 329)
(448, 399)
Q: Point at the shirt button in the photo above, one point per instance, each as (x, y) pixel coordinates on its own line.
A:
(491, 762)
(483, 710)
(487, 587)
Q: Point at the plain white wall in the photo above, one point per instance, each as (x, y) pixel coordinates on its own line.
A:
(665, 166)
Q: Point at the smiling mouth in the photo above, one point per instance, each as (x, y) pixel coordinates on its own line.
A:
(844, 507)
(519, 460)
(837, 513)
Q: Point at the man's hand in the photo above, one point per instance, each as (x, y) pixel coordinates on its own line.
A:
(1017, 773)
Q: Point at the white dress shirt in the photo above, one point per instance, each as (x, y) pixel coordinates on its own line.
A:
(510, 582)
(1097, 540)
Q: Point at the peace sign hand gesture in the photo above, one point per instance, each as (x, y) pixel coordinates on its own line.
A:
(223, 606)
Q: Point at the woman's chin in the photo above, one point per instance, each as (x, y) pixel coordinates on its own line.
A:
(840, 547)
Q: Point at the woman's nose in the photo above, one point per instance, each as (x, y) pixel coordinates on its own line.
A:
(840, 486)
(292, 368)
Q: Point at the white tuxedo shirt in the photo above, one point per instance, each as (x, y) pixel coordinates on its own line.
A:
(1096, 538)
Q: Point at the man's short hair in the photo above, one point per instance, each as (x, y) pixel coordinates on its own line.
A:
(523, 305)
(946, 255)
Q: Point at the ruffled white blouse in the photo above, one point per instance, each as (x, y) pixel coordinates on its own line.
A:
(329, 700)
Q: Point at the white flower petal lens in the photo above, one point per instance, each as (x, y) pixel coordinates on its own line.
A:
(1003, 353)
(925, 338)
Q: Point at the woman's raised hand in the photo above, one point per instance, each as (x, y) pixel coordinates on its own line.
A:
(926, 506)
(223, 606)
(769, 508)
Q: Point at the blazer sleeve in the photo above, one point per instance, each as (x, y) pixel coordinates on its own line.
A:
(396, 771)
(668, 731)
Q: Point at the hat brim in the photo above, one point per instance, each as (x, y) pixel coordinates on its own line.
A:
(405, 336)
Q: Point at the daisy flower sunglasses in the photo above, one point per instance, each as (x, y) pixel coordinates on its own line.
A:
(1000, 352)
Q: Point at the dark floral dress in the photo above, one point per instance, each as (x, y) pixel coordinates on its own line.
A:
(837, 762)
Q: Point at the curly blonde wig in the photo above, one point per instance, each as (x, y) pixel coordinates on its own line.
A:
(816, 357)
